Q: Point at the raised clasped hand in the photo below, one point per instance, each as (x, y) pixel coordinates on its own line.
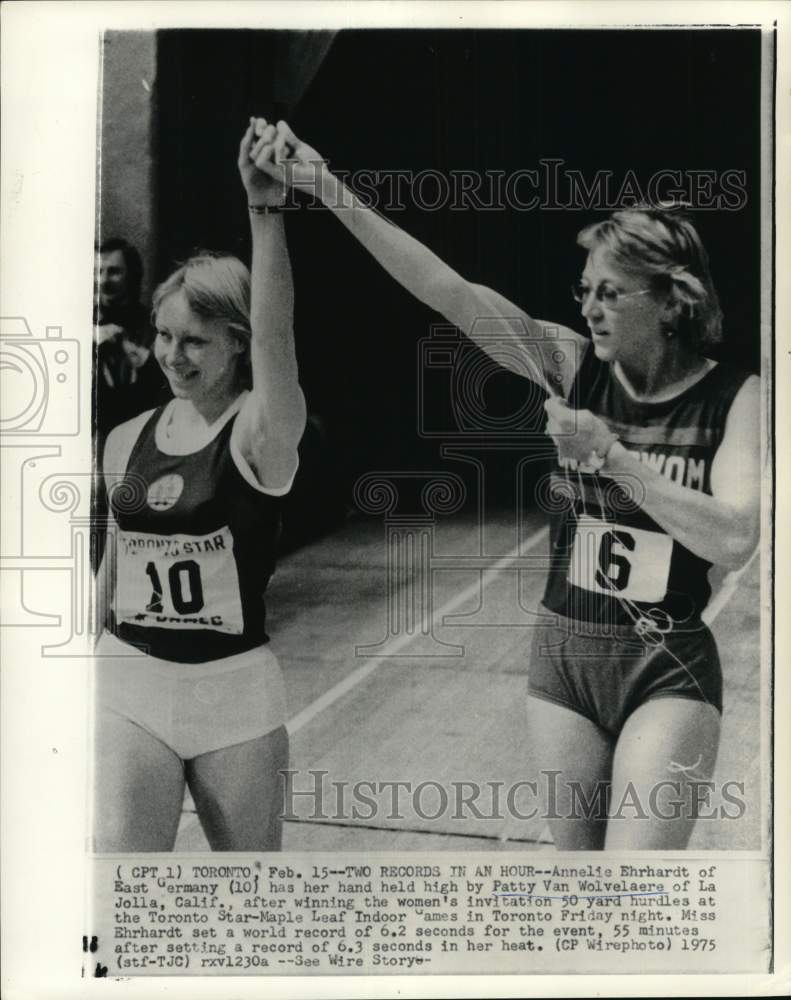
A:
(257, 148)
(278, 153)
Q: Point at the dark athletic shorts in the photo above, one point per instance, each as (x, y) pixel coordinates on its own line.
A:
(605, 673)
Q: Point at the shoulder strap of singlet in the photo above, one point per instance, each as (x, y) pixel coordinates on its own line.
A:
(725, 381)
(722, 387)
(588, 369)
(122, 440)
(721, 384)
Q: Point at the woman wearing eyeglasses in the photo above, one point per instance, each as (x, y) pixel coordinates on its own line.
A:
(657, 478)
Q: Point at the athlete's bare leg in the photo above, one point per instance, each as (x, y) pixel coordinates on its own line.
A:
(564, 741)
(139, 788)
(238, 793)
(665, 740)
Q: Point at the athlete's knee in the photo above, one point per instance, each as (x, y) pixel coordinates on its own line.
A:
(694, 777)
(693, 771)
(682, 792)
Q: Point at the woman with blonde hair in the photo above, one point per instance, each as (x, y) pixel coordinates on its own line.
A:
(657, 478)
(187, 688)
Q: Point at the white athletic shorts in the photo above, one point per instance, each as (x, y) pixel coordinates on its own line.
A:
(193, 708)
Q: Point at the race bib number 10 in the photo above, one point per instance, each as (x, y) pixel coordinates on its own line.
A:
(178, 581)
(622, 561)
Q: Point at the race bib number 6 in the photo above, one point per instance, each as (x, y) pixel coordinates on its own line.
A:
(623, 561)
(178, 581)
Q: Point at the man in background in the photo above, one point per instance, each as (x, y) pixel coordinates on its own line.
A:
(128, 379)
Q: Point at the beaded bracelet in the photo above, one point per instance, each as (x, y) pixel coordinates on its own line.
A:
(265, 209)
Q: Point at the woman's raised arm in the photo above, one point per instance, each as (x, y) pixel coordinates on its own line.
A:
(272, 420)
(498, 326)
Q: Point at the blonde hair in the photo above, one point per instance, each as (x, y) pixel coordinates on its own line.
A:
(663, 244)
(216, 286)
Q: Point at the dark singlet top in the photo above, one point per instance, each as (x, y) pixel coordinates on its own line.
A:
(195, 551)
(606, 553)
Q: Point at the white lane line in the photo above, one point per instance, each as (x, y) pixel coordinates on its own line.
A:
(356, 677)
(301, 719)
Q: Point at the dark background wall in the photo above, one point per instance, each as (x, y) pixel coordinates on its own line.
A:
(127, 165)
(449, 100)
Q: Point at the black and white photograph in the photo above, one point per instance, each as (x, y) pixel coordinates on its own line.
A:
(338, 363)
(398, 485)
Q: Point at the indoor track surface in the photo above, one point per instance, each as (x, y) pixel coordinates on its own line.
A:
(438, 694)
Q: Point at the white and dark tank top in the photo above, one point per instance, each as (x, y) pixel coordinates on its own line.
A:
(607, 554)
(195, 549)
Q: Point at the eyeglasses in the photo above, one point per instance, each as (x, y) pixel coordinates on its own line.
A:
(604, 293)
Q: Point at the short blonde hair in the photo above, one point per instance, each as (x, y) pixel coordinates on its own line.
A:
(216, 286)
(664, 244)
